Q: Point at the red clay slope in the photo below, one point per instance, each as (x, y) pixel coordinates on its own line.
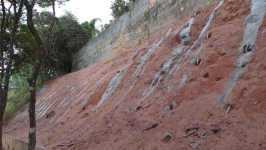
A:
(210, 94)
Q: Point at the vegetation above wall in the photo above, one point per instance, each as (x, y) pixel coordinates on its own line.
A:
(119, 7)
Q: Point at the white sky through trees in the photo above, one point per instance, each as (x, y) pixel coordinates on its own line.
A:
(86, 10)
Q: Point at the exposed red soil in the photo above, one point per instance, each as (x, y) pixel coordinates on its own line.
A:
(195, 123)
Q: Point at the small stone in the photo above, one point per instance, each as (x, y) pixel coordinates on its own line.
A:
(198, 61)
(191, 126)
(115, 108)
(206, 75)
(137, 108)
(174, 104)
(85, 115)
(50, 114)
(166, 108)
(214, 129)
(127, 111)
(110, 125)
(248, 48)
(190, 130)
(152, 126)
(166, 66)
(167, 137)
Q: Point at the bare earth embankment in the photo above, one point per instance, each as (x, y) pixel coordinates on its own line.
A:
(205, 89)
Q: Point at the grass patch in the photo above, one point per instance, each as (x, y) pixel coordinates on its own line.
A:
(18, 95)
(17, 98)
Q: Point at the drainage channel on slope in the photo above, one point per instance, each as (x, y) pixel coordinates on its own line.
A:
(112, 86)
(68, 98)
(185, 40)
(246, 49)
(87, 98)
(143, 62)
(204, 29)
(66, 111)
(147, 55)
(157, 77)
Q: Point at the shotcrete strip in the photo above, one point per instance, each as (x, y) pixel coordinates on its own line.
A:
(246, 49)
(204, 29)
(38, 108)
(74, 97)
(71, 94)
(144, 58)
(112, 86)
(138, 51)
(124, 96)
(139, 71)
(86, 100)
(157, 77)
(42, 90)
(46, 110)
(193, 61)
(176, 53)
(155, 82)
(62, 102)
(134, 83)
(182, 81)
(62, 115)
(185, 39)
(180, 48)
(185, 33)
(147, 55)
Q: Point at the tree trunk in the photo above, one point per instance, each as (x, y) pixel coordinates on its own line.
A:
(31, 110)
(37, 67)
(1, 120)
(2, 111)
(32, 132)
(3, 101)
(6, 67)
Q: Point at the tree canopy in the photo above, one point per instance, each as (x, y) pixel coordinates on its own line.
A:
(90, 28)
(35, 43)
(119, 7)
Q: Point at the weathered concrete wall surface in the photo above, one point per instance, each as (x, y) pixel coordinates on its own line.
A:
(10, 143)
(145, 20)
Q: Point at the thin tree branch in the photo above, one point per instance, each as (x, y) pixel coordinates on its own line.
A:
(50, 28)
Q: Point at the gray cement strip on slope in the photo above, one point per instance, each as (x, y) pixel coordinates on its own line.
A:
(246, 49)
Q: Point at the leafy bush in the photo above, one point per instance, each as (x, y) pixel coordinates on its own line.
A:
(18, 94)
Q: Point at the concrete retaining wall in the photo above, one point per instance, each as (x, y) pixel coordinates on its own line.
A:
(146, 19)
(10, 143)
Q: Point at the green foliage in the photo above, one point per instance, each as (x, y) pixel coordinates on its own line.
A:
(90, 28)
(16, 99)
(18, 94)
(68, 37)
(25, 49)
(105, 26)
(47, 3)
(119, 7)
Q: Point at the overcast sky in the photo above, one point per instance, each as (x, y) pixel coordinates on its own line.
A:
(86, 10)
